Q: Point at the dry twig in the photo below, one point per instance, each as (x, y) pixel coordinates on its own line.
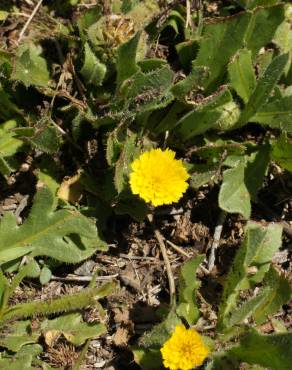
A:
(27, 23)
(216, 239)
(160, 240)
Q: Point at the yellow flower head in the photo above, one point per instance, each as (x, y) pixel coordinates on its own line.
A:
(184, 350)
(158, 177)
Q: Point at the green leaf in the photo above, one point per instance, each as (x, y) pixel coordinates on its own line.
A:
(45, 275)
(234, 196)
(203, 176)
(45, 138)
(264, 88)
(18, 334)
(9, 144)
(21, 363)
(282, 152)
(241, 74)
(188, 285)
(113, 148)
(147, 359)
(131, 205)
(160, 333)
(122, 169)
(30, 67)
(67, 303)
(272, 351)
(126, 59)
(220, 112)
(276, 114)
(93, 71)
(145, 92)
(246, 309)
(8, 109)
(256, 168)
(277, 293)
(48, 173)
(263, 26)
(188, 84)
(22, 360)
(47, 232)
(73, 328)
(220, 41)
(259, 245)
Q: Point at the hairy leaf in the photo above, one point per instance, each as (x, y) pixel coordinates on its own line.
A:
(19, 334)
(188, 286)
(273, 351)
(126, 59)
(282, 152)
(259, 245)
(226, 35)
(30, 67)
(276, 114)
(93, 71)
(241, 74)
(234, 196)
(72, 327)
(264, 87)
(47, 232)
(263, 26)
(87, 297)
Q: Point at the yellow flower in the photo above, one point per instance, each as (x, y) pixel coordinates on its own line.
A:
(184, 350)
(158, 177)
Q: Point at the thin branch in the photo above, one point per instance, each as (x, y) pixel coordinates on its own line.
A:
(83, 278)
(177, 248)
(27, 23)
(216, 239)
(160, 240)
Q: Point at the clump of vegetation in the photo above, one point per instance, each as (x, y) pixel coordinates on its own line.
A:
(128, 113)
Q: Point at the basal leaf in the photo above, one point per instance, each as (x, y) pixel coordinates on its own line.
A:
(241, 74)
(93, 71)
(220, 41)
(47, 232)
(276, 114)
(126, 59)
(72, 327)
(188, 84)
(264, 88)
(263, 26)
(23, 359)
(9, 144)
(18, 334)
(272, 351)
(277, 292)
(8, 110)
(122, 168)
(145, 92)
(234, 196)
(282, 152)
(256, 168)
(187, 307)
(30, 67)
(213, 114)
(46, 139)
(274, 294)
(259, 245)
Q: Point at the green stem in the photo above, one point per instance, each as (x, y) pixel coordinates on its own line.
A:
(85, 298)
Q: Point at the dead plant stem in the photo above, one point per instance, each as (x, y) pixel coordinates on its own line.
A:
(170, 277)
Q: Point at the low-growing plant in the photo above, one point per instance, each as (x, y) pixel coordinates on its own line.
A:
(122, 106)
(235, 338)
